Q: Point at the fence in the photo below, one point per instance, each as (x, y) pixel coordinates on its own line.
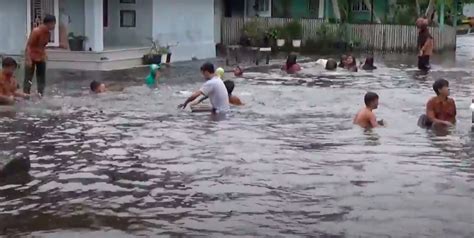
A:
(378, 37)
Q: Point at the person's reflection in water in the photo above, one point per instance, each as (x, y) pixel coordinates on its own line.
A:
(372, 138)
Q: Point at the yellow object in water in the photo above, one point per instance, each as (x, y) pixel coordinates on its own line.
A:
(220, 73)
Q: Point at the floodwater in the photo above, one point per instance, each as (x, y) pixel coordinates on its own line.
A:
(288, 164)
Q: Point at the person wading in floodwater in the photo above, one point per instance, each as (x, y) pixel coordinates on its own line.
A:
(35, 54)
(425, 44)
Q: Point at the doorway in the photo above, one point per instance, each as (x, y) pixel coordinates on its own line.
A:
(36, 10)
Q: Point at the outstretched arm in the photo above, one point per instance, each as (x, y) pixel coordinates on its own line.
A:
(201, 100)
(190, 99)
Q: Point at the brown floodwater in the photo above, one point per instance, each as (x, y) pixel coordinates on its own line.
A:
(288, 164)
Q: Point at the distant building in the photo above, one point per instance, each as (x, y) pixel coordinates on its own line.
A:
(117, 31)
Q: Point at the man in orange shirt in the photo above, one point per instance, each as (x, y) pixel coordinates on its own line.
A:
(8, 86)
(35, 54)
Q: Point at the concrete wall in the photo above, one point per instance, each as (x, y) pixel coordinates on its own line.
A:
(75, 10)
(218, 14)
(191, 23)
(12, 26)
(116, 36)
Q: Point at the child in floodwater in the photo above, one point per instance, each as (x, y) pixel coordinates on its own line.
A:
(220, 73)
(328, 64)
(8, 85)
(369, 64)
(350, 64)
(238, 72)
(342, 61)
(291, 66)
(440, 110)
(152, 79)
(233, 100)
(365, 118)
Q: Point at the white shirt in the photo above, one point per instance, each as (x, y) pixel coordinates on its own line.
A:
(217, 92)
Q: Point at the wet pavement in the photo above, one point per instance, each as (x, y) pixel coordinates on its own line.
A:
(288, 164)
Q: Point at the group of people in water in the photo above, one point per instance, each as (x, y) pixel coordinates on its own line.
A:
(347, 62)
(440, 110)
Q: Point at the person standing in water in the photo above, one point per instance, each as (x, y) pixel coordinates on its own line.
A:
(151, 79)
(35, 54)
(425, 44)
(440, 110)
(365, 118)
(213, 88)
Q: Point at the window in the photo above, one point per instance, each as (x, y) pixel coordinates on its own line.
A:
(262, 5)
(128, 18)
(359, 6)
(313, 7)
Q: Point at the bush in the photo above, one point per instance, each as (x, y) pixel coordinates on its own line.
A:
(294, 30)
(253, 32)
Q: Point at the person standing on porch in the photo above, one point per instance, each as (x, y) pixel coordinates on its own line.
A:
(35, 54)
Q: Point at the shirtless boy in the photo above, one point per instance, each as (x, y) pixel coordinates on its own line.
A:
(365, 118)
(441, 109)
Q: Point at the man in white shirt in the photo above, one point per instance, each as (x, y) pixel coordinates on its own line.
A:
(213, 88)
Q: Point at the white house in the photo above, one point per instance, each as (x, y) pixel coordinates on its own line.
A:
(118, 31)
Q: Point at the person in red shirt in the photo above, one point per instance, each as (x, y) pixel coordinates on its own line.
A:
(8, 86)
(35, 54)
(291, 66)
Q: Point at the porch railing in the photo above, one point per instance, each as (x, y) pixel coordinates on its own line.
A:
(380, 37)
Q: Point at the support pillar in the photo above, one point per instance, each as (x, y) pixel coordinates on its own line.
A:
(94, 25)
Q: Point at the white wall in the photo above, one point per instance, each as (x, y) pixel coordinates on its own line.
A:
(191, 23)
(114, 35)
(12, 26)
(218, 14)
(75, 10)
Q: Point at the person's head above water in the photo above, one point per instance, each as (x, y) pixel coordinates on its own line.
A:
(331, 64)
(371, 100)
(291, 60)
(238, 71)
(369, 64)
(220, 72)
(50, 22)
(9, 66)
(350, 61)
(97, 87)
(207, 70)
(441, 87)
(229, 85)
(342, 61)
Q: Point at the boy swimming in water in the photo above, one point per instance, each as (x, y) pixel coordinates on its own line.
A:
(365, 118)
(440, 109)
(8, 85)
(98, 87)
